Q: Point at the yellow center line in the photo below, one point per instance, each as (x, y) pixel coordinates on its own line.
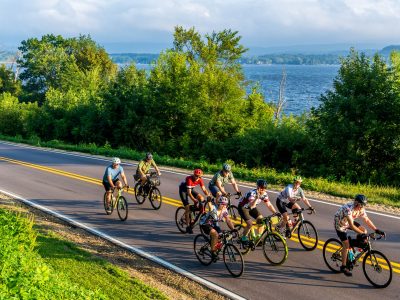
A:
(167, 200)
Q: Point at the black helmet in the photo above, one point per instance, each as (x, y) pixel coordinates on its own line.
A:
(361, 199)
(262, 183)
(149, 156)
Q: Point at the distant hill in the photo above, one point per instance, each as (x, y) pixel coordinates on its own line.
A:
(388, 49)
(139, 58)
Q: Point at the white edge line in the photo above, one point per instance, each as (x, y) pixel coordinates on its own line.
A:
(135, 250)
(172, 172)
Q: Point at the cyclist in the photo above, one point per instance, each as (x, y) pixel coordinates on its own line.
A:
(216, 185)
(111, 180)
(186, 191)
(210, 222)
(344, 220)
(143, 168)
(248, 207)
(288, 198)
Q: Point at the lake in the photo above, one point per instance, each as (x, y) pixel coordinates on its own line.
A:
(304, 83)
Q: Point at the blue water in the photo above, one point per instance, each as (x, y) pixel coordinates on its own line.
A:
(304, 83)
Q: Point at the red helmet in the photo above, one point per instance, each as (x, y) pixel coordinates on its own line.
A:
(198, 172)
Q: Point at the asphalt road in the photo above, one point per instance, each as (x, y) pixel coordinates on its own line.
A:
(50, 178)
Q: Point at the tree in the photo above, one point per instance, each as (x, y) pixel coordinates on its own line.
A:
(357, 126)
(8, 82)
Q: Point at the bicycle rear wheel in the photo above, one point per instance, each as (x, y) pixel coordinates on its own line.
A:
(107, 208)
(202, 249)
(234, 215)
(155, 198)
(307, 235)
(139, 193)
(180, 220)
(233, 260)
(275, 248)
(122, 208)
(332, 252)
(377, 269)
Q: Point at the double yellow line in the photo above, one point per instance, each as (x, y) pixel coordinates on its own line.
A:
(170, 201)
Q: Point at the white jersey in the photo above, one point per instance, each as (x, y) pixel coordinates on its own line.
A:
(290, 192)
(340, 220)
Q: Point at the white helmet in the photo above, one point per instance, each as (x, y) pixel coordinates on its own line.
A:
(116, 160)
(223, 200)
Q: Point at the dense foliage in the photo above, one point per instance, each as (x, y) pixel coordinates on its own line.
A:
(193, 103)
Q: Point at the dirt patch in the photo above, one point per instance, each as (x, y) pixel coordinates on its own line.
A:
(173, 285)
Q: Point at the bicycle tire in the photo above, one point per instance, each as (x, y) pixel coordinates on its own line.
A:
(202, 249)
(274, 245)
(243, 250)
(140, 198)
(308, 235)
(111, 207)
(122, 208)
(180, 219)
(234, 215)
(233, 260)
(155, 198)
(332, 253)
(377, 266)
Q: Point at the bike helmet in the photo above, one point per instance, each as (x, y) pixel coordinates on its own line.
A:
(261, 183)
(116, 160)
(223, 201)
(149, 156)
(297, 179)
(361, 199)
(226, 167)
(198, 172)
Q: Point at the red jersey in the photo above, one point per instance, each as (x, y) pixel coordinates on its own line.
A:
(191, 182)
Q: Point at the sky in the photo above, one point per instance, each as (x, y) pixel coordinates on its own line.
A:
(148, 25)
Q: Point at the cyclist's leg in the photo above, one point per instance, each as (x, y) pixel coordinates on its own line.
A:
(108, 189)
(118, 184)
(294, 207)
(345, 249)
(283, 211)
(255, 213)
(245, 214)
(214, 238)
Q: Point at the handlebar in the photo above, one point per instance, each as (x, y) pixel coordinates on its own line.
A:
(229, 195)
(376, 236)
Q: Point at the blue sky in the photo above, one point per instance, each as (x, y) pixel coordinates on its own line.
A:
(148, 25)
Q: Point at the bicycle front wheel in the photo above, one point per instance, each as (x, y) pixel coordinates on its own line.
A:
(155, 198)
(233, 260)
(332, 252)
(122, 208)
(275, 248)
(139, 193)
(202, 249)
(107, 208)
(308, 235)
(234, 215)
(377, 269)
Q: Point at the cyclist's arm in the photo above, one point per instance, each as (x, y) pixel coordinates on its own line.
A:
(235, 186)
(220, 187)
(270, 207)
(110, 181)
(124, 178)
(140, 169)
(352, 226)
(229, 223)
(189, 192)
(369, 223)
(203, 188)
(153, 163)
(305, 200)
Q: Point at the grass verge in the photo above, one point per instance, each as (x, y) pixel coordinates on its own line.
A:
(384, 195)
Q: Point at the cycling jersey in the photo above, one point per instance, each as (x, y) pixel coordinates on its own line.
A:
(252, 197)
(145, 166)
(219, 177)
(114, 173)
(340, 220)
(289, 192)
(190, 183)
(212, 217)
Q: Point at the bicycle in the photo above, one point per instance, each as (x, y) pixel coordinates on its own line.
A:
(233, 209)
(149, 190)
(306, 232)
(232, 257)
(274, 245)
(196, 211)
(374, 262)
(118, 202)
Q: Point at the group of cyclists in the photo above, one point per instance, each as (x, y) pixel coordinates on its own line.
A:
(217, 202)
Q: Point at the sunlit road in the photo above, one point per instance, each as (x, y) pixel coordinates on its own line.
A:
(70, 184)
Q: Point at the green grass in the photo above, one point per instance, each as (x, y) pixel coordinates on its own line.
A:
(91, 272)
(386, 195)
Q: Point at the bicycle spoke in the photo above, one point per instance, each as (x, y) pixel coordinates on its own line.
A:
(377, 269)
(233, 260)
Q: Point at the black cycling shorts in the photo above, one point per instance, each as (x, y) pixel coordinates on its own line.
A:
(107, 185)
(247, 213)
(282, 205)
(184, 195)
(343, 236)
(207, 228)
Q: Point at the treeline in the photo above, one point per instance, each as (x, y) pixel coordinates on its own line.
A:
(293, 59)
(139, 58)
(193, 103)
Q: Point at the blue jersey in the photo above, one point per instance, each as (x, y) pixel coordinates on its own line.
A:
(114, 173)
